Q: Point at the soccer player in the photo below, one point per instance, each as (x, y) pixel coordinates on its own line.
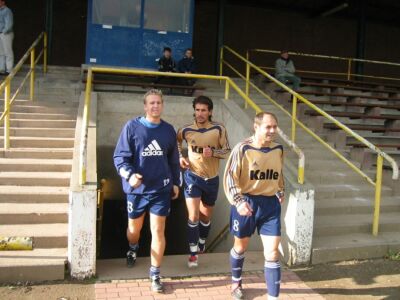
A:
(146, 157)
(207, 143)
(253, 184)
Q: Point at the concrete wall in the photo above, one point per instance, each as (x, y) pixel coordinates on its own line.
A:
(82, 208)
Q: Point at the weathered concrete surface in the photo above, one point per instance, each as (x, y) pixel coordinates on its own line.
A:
(83, 202)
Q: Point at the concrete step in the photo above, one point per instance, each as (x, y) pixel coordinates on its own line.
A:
(35, 165)
(356, 223)
(33, 213)
(35, 265)
(33, 194)
(35, 178)
(333, 190)
(354, 246)
(343, 176)
(355, 205)
(37, 101)
(309, 154)
(38, 142)
(44, 235)
(21, 108)
(42, 123)
(48, 153)
(40, 132)
(56, 103)
(57, 95)
(41, 116)
(328, 164)
(381, 139)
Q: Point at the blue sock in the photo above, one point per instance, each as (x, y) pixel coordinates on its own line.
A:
(204, 229)
(134, 247)
(237, 261)
(272, 272)
(193, 236)
(154, 272)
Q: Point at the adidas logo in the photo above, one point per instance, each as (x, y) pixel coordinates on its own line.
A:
(153, 149)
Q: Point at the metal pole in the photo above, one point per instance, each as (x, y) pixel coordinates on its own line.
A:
(349, 69)
(361, 37)
(7, 92)
(221, 61)
(84, 131)
(220, 36)
(32, 90)
(49, 27)
(45, 52)
(294, 116)
(247, 73)
(226, 89)
(300, 174)
(378, 188)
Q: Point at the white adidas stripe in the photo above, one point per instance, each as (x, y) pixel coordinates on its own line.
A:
(156, 145)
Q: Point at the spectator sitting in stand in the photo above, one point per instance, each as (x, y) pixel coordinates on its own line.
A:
(187, 65)
(285, 70)
(166, 64)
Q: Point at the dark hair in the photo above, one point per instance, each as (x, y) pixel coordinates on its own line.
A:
(284, 51)
(203, 100)
(167, 49)
(188, 49)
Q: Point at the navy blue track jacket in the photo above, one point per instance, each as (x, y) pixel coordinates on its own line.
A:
(151, 152)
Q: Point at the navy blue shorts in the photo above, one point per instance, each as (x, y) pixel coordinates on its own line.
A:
(206, 189)
(158, 204)
(266, 217)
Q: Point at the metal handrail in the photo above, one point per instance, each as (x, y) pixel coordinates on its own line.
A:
(6, 84)
(349, 60)
(296, 96)
(228, 83)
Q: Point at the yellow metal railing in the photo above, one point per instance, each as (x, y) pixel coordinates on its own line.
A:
(349, 61)
(228, 84)
(6, 84)
(295, 121)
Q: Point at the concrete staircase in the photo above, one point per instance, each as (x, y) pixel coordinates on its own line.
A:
(34, 184)
(343, 200)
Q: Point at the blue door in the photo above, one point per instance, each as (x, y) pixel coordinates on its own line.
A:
(133, 33)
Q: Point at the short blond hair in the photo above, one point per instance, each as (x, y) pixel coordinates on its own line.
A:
(153, 92)
(260, 116)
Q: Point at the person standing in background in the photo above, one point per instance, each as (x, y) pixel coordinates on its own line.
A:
(6, 39)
